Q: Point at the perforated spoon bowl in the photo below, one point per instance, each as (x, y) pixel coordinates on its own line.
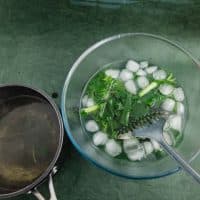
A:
(155, 131)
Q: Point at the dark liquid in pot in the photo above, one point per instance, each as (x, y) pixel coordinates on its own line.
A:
(28, 140)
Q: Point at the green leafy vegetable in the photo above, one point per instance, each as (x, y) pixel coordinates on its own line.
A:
(116, 110)
(127, 110)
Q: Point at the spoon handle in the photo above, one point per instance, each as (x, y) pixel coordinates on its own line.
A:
(182, 163)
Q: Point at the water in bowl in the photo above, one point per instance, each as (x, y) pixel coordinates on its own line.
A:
(175, 135)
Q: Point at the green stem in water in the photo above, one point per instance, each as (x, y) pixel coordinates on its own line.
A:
(150, 87)
(106, 97)
(170, 79)
(126, 112)
(90, 109)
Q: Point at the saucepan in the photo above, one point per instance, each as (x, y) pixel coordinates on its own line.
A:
(31, 139)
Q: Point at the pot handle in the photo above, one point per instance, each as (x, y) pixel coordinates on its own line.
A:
(52, 192)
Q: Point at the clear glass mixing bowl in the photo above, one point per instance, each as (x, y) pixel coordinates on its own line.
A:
(137, 46)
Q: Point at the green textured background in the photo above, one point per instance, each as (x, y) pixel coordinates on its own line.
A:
(40, 39)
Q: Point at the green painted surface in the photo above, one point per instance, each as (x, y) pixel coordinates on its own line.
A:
(40, 39)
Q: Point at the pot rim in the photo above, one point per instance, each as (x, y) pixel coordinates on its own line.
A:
(44, 175)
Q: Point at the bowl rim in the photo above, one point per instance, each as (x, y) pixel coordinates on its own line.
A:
(65, 90)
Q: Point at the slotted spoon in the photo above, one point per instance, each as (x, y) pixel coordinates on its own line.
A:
(154, 131)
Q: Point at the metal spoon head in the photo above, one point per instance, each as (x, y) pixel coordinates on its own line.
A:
(151, 131)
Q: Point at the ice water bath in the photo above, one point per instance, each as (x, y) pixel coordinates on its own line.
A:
(125, 95)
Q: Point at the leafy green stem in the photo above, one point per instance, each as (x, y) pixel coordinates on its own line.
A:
(150, 87)
(106, 97)
(170, 79)
(127, 109)
(90, 109)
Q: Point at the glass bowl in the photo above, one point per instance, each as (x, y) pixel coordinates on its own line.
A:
(136, 46)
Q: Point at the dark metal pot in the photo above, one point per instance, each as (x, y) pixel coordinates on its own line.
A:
(31, 139)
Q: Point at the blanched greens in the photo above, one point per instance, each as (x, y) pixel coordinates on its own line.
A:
(125, 100)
